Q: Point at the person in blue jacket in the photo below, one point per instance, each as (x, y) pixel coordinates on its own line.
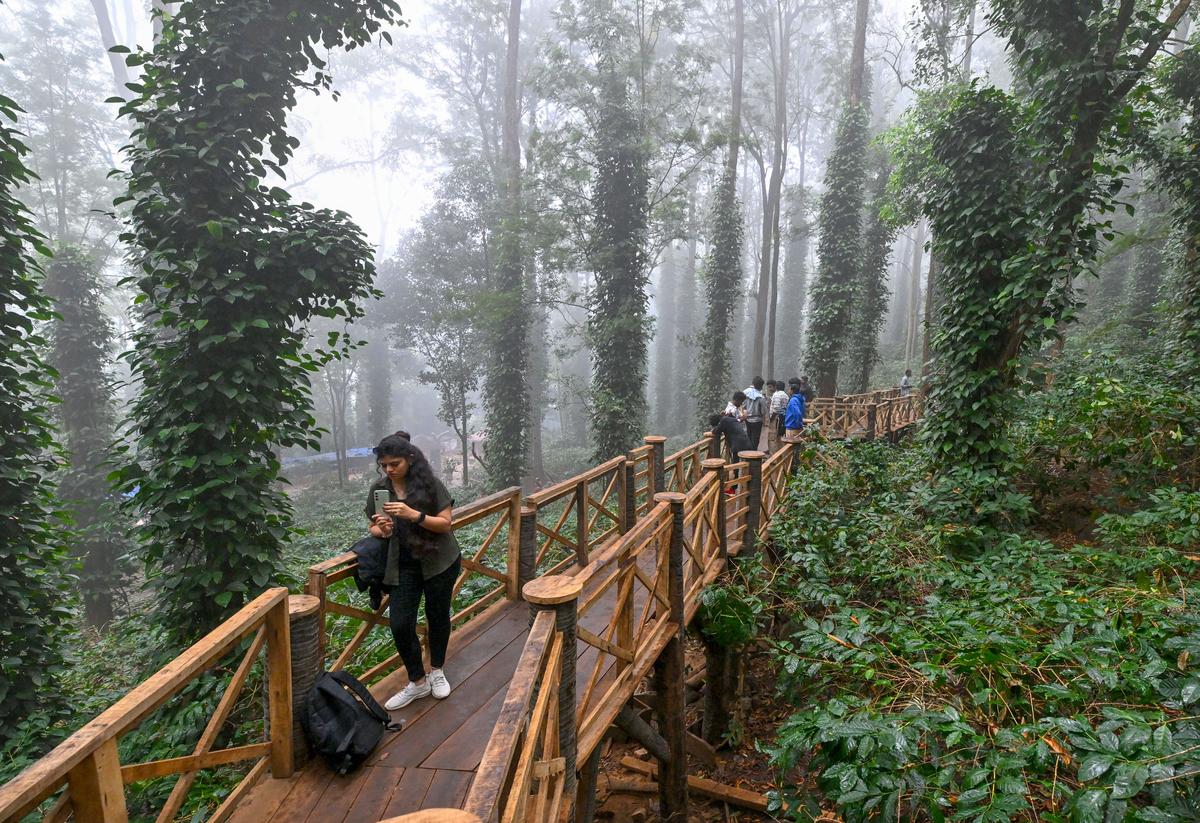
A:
(793, 416)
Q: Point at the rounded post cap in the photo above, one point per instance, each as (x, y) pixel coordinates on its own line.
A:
(527, 509)
(712, 463)
(652, 439)
(552, 590)
(302, 605)
(751, 455)
(435, 816)
(670, 497)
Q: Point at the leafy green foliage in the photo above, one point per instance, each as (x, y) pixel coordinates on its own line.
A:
(617, 320)
(34, 569)
(230, 270)
(1019, 680)
(839, 250)
(1018, 189)
(82, 342)
(732, 610)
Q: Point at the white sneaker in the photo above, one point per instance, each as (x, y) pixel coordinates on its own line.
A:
(438, 682)
(407, 695)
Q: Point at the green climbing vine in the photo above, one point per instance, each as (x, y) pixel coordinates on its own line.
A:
(839, 250)
(230, 269)
(722, 276)
(34, 567)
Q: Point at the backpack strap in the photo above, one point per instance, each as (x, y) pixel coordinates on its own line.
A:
(367, 699)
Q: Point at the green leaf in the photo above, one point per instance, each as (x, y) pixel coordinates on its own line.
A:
(215, 228)
(1094, 766)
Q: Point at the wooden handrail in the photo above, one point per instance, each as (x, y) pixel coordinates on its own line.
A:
(98, 737)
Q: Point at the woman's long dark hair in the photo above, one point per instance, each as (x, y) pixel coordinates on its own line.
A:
(419, 484)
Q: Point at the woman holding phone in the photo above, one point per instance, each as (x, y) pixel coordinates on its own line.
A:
(412, 509)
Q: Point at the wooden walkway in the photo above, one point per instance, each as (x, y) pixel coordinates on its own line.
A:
(611, 562)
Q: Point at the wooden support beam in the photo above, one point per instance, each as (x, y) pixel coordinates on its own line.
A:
(630, 722)
(97, 791)
(706, 788)
(668, 677)
(586, 794)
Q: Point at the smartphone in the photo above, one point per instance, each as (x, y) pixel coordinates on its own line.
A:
(382, 496)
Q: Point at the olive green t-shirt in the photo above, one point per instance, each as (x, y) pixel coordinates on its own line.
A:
(413, 545)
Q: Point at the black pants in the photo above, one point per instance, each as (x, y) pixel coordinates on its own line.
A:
(402, 612)
(755, 431)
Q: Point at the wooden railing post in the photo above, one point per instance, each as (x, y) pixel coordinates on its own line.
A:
(561, 595)
(97, 791)
(754, 461)
(669, 678)
(304, 635)
(872, 419)
(628, 495)
(658, 469)
(714, 447)
(717, 467)
(316, 587)
(581, 530)
(527, 564)
(279, 690)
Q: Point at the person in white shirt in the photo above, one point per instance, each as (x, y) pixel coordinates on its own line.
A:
(906, 383)
(754, 411)
(779, 401)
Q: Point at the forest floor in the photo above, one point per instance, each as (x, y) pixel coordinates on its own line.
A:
(740, 764)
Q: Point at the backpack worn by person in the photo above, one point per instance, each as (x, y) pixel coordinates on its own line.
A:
(343, 722)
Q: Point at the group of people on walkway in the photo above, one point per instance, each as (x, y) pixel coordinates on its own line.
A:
(765, 407)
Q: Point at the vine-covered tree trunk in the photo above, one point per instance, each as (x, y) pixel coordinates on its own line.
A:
(230, 273)
(869, 311)
(81, 353)
(839, 250)
(722, 273)
(617, 320)
(793, 288)
(35, 585)
(506, 389)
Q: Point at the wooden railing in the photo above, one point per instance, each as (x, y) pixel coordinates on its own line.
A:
(627, 606)
(87, 766)
(864, 416)
(488, 531)
(522, 761)
(683, 469)
(574, 516)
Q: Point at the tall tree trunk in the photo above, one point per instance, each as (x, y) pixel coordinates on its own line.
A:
(840, 251)
(539, 368)
(506, 397)
(725, 258)
(858, 57)
(912, 311)
(685, 334)
(665, 336)
(617, 320)
(970, 46)
(109, 39)
(930, 309)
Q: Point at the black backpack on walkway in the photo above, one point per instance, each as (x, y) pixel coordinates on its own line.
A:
(343, 722)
